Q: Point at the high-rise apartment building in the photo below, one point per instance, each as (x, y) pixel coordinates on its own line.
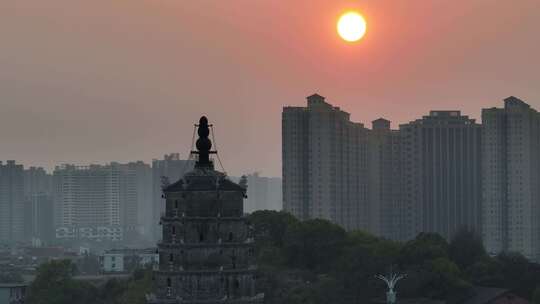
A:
(324, 162)
(164, 171)
(39, 218)
(295, 161)
(135, 198)
(511, 170)
(440, 175)
(426, 176)
(39, 208)
(36, 181)
(102, 202)
(263, 193)
(87, 202)
(11, 202)
(384, 180)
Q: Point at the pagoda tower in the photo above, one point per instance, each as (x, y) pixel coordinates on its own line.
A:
(207, 251)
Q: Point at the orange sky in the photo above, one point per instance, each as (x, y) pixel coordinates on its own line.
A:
(102, 80)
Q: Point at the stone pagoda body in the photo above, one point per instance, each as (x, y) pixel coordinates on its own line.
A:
(207, 251)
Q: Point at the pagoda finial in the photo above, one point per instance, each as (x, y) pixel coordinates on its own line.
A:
(204, 144)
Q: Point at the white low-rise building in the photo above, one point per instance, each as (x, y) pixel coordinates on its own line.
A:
(127, 260)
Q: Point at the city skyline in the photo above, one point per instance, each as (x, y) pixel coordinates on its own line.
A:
(113, 202)
(269, 152)
(49, 166)
(441, 173)
(103, 81)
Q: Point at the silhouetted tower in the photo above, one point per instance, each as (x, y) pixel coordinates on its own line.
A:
(207, 254)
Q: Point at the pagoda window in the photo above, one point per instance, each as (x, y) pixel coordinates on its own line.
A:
(176, 204)
(169, 282)
(171, 257)
(230, 237)
(173, 230)
(201, 237)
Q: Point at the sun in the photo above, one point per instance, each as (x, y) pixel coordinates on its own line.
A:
(351, 26)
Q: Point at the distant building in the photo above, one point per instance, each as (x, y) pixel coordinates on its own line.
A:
(87, 203)
(101, 202)
(426, 176)
(38, 205)
(324, 161)
(127, 260)
(37, 181)
(441, 175)
(263, 193)
(11, 202)
(39, 218)
(12, 293)
(112, 262)
(384, 179)
(135, 197)
(38, 255)
(164, 171)
(511, 170)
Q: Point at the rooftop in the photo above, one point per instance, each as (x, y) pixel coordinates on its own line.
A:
(13, 285)
(204, 182)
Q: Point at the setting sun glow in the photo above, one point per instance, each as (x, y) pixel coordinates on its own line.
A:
(351, 26)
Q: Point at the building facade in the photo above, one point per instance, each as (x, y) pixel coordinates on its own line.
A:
(127, 260)
(37, 181)
(324, 160)
(87, 203)
(135, 195)
(263, 193)
(511, 170)
(11, 202)
(38, 206)
(441, 175)
(13, 293)
(207, 251)
(424, 177)
(384, 179)
(39, 218)
(102, 202)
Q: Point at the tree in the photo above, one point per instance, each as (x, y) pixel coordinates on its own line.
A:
(426, 246)
(466, 248)
(314, 244)
(270, 227)
(486, 272)
(54, 284)
(519, 274)
(447, 282)
(536, 295)
(138, 286)
(363, 257)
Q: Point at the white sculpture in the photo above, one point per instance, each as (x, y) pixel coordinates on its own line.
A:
(391, 282)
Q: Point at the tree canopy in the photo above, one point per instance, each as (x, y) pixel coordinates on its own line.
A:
(318, 262)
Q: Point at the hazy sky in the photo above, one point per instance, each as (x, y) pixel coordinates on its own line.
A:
(100, 80)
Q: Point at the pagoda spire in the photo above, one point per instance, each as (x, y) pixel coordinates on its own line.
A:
(204, 145)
